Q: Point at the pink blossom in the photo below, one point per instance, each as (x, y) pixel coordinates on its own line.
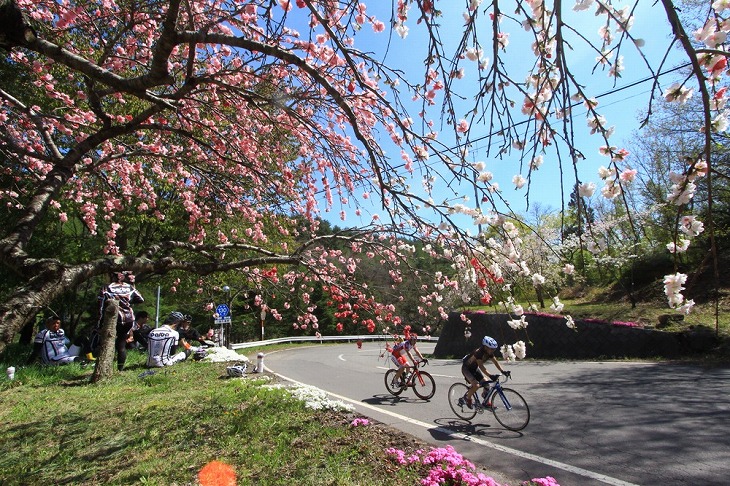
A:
(359, 422)
(628, 175)
(546, 481)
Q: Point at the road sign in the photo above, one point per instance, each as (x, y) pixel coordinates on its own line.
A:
(222, 310)
(223, 320)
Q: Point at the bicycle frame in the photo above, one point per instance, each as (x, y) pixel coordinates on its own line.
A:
(494, 388)
(510, 410)
(422, 382)
(412, 374)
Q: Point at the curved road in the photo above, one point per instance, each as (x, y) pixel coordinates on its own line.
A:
(592, 423)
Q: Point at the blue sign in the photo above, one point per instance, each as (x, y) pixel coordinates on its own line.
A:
(222, 310)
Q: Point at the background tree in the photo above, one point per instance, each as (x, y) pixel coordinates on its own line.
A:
(269, 111)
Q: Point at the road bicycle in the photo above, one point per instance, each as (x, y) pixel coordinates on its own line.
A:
(508, 406)
(422, 382)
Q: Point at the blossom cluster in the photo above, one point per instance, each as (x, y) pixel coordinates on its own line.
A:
(449, 467)
(511, 352)
(315, 398)
(673, 286)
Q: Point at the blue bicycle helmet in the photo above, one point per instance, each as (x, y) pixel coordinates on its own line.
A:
(489, 342)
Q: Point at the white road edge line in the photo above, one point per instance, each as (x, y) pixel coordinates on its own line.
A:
(526, 455)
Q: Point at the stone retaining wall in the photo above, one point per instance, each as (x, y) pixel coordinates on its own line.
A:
(548, 337)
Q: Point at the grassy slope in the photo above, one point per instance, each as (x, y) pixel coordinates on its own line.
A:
(163, 428)
(647, 311)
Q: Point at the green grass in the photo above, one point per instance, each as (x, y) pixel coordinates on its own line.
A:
(647, 313)
(597, 306)
(161, 429)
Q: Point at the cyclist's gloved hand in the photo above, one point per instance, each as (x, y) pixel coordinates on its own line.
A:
(508, 374)
(425, 361)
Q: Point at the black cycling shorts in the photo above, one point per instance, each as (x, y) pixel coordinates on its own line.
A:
(470, 374)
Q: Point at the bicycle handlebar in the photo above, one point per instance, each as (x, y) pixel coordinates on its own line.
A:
(500, 378)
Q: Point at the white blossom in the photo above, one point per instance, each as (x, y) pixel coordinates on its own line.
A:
(586, 189)
(557, 306)
(520, 349)
(507, 352)
(679, 247)
(677, 92)
(581, 5)
(520, 323)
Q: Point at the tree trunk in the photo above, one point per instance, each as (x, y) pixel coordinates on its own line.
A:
(540, 297)
(26, 334)
(46, 281)
(108, 332)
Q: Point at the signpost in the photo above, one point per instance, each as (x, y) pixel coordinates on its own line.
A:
(223, 319)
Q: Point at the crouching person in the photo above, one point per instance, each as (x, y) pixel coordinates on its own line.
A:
(162, 343)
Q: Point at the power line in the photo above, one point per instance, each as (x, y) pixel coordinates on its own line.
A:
(602, 95)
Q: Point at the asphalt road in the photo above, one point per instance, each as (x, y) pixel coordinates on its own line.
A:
(592, 423)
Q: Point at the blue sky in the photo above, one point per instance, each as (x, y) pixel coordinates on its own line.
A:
(620, 107)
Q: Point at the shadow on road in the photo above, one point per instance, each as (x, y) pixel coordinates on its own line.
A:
(390, 400)
(474, 428)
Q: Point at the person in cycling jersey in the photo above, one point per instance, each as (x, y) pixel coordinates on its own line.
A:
(190, 334)
(473, 366)
(402, 351)
(162, 343)
(51, 345)
(122, 288)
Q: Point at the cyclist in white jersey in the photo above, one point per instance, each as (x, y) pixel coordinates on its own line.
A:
(162, 343)
(403, 349)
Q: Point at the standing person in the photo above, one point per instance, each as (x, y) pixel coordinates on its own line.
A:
(127, 295)
(162, 343)
(51, 345)
(473, 367)
(403, 349)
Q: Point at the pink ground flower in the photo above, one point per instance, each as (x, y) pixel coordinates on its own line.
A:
(546, 481)
(359, 422)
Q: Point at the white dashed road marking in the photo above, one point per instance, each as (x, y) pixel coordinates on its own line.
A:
(543, 460)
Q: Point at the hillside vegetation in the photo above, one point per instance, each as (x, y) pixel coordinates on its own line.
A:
(650, 309)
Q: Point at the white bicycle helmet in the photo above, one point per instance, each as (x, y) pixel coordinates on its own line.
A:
(174, 317)
(236, 371)
(489, 342)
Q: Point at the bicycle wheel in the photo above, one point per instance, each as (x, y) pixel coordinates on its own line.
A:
(510, 409)
(456, 402)
(424, 385)
(389, 385)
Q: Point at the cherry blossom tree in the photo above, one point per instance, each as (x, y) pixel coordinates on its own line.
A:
(276, 112)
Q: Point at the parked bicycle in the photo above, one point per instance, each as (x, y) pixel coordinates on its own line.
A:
(422, 382)
(508, 406)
